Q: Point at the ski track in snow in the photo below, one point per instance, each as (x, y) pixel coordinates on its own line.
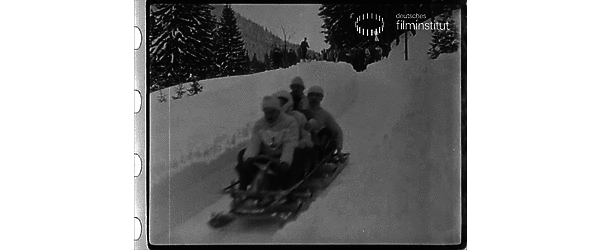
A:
(401, 125)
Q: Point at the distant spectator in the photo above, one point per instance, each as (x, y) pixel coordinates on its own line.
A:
(378, 53)
(277, 58)
(304, 48)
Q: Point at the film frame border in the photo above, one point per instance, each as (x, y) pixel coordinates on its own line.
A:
(142, 120)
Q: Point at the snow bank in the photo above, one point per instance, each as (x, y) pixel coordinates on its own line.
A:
(403, 132)
(198, 128)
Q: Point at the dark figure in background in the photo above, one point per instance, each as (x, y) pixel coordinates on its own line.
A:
(277, 58)
(356, 60)
(343, 55)
(378, 53)
(385, 51)
(359, 60)
(303, 49)
(292, 58)
(333, 57)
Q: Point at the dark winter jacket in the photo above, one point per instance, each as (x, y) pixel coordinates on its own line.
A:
(304, 45)
(301, 104)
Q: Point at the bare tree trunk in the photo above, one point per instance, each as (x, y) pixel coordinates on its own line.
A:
(284, 47)
(285, 40)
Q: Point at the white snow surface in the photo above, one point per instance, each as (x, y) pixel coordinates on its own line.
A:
(401, 122)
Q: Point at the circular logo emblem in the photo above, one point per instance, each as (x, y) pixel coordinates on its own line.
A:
(369, 32)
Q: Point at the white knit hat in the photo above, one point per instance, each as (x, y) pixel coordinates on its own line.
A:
(297, 81)
(315, 89)
(283, 93)
(271, 102)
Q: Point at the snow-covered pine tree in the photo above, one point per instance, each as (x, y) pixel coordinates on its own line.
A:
(255, 64)
(194, 88)
(268, 63)
(338, 24)
(158, 74)
(444, 41)
(231, 53)
(182, 42)
(179, 92)
(247, 68)
(161, 96)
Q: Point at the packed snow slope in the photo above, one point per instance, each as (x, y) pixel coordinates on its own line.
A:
(199, 128)
(401, 122)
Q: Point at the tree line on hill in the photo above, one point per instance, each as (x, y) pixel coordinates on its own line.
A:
(188, 44)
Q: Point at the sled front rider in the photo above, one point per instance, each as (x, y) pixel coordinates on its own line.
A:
(322, 125)
(275, 135)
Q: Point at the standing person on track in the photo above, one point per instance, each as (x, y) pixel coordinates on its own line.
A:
(304, 48)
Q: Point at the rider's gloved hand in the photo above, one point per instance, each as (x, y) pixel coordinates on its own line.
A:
(284, 166)
(311, 125)
(279, 168)
(338, 154)
(305, 144)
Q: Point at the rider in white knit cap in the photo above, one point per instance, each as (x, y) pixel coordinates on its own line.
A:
(322, 125)
(275, 135)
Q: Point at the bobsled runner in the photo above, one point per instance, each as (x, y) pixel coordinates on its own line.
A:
(261, 202)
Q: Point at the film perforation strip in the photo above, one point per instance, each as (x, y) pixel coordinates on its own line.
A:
(140, 125)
